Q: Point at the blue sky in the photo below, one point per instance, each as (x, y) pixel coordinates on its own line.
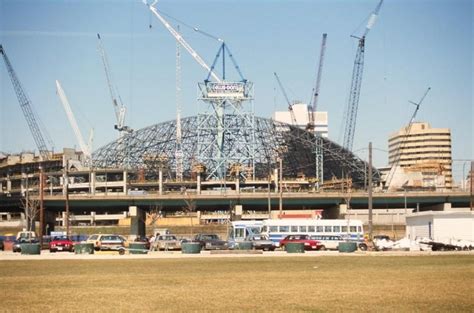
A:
(414, 44)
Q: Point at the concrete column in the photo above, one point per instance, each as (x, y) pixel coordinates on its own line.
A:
(92, 218)
(237, 185)
(342, 210)
(125, 178)
(277, 182)
(63, 216)
(92, 183)
(160, 181)
(238, 212)
(137, 221)
(198, 183)
(49, 222)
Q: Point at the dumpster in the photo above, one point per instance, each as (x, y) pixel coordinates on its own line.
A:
(347, 247)
(294, 247)
(244, 245)
(30, 248)
(190, 247)
(137, 248)
(84, 248)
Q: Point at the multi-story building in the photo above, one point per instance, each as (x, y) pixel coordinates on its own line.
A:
(425, 150)
(302, 116)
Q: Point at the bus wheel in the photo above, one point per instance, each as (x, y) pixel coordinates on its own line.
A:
(363, 247)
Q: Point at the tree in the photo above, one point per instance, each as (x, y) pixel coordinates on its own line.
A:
(31, 206)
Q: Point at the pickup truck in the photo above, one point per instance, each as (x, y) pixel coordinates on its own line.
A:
(211, 242)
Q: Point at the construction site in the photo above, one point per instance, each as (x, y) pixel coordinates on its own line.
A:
(225, 162)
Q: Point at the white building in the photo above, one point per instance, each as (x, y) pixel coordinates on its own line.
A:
(441, 226)
(302, 116)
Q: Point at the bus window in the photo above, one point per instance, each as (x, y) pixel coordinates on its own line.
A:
(273, 229)
(284, 229)
(344, 229)
(353, 229)
(359, 229)
(328, 229)
(264, 229)
(302, 229)
(310, 229)
(337, 229)
(294, 229)
(239, 232)
(319, 229)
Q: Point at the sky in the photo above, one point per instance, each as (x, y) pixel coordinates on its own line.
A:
(414, 45)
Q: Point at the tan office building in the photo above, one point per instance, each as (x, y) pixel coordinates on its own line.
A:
(423, 149)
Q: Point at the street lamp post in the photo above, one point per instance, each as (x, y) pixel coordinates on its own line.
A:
(280, 205)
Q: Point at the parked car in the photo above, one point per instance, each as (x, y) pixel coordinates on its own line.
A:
(61, 243)
(16, 247)
(144, 240)
(166, 242)
(107, 242)
(329, 242)
(261, 242)
(309, 244)
(211, 242)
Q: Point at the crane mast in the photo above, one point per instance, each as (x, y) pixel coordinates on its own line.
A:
(179, 150)
(314, 103)
(290, 106)
(72, 120)
(25, 105)
(119, 107)
(357, 72)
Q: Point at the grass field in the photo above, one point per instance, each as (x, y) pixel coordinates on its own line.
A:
(332, 283)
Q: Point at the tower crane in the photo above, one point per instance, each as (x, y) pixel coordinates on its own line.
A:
(181, 40)
(179, 139)
(72, 120)
(407, 133)
(314, 103)
(119, 107)
(27, 109)
(357, 71)
(290, 106)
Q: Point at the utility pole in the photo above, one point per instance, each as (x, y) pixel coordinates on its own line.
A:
(41, 186)
(66, 181)
(269, 200)
(471, 182)
(281, 187)
(370, 191)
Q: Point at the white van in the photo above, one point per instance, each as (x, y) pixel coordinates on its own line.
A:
(328, 242)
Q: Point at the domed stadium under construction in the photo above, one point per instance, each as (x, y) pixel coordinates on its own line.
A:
(251, 155)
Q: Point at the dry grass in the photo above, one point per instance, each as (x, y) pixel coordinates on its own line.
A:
(422, 283)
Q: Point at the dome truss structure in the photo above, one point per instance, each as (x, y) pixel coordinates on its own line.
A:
(152, 149)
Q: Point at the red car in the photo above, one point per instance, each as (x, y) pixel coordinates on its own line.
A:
(61, 243)
(309, 244)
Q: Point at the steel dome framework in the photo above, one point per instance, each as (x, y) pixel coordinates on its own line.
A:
(153, 147)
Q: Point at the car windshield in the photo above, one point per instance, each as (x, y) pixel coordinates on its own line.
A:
(61, 238)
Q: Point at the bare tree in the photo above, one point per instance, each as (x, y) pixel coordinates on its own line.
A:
(190, 208)
(154, 215)
(31, 207)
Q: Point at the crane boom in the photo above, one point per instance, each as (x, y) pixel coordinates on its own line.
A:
(356, 83)
(72, 120)
(402, 144)
(290, 106)
(181, 40)
(119, 107)
(25, 105)
(314, 103)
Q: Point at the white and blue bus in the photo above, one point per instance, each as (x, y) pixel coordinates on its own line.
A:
(277, 229)
(241, 230)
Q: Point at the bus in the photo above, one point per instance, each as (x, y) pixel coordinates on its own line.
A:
(277, 229)
(241, 230)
